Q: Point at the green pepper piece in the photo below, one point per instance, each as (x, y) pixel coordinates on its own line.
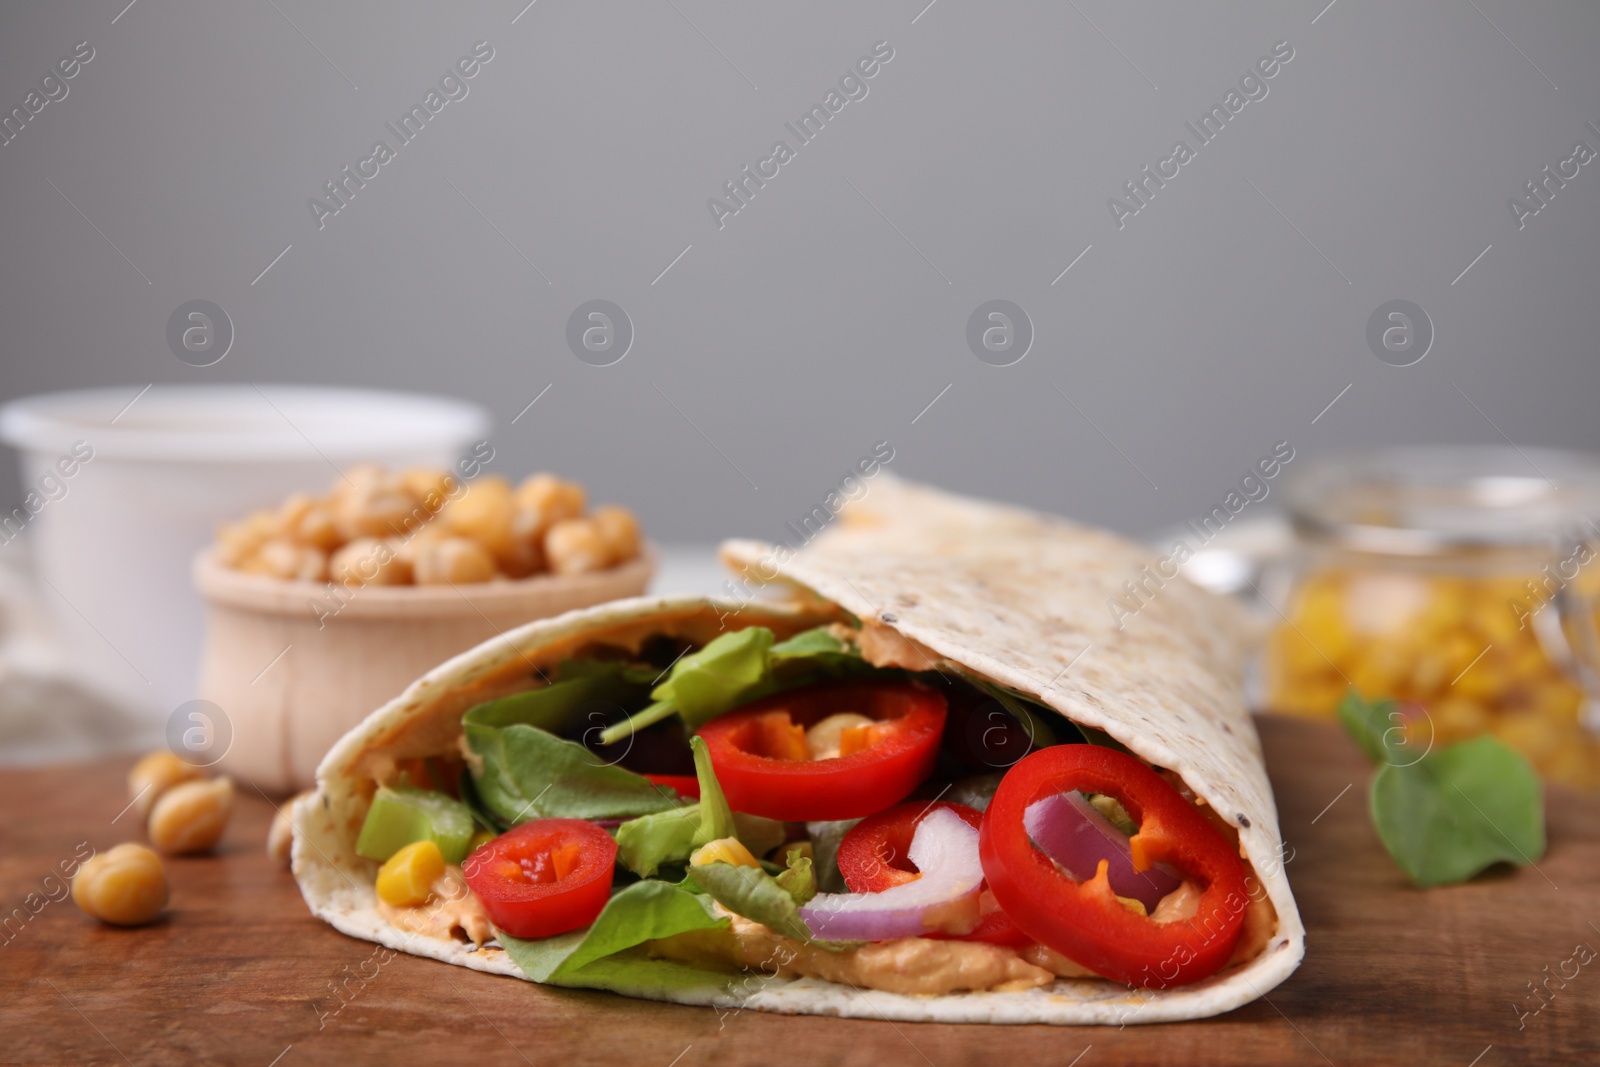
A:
(401, 814)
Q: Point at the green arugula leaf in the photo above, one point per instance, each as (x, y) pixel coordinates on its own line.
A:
(529, 773)
(643, 911)
(1450, 813)
(645, 843)
(754, 894)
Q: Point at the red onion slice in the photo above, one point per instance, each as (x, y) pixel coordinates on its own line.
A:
(945, 849)
(1068, 829)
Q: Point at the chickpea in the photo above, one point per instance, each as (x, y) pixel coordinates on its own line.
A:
(576, 546)
(319, 528)
(619, 530)
(154, 774)
(429, 486)
(126, 886)
(369, 561)
(191, 817)
(280, 836)
(408, 549)
(546, 500)
(484, 512)
(453, 560)
(285, 559)
(289, 514)
(381, 508)
(237, 543)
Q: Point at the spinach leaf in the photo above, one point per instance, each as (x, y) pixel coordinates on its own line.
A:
(1446, 815)
(1041, 723)
(825, 840)
(641, 912)
(591, 690)
(529, 773)
(645, 843)
(1379, 728)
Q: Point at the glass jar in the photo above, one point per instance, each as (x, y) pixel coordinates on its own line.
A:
(1462, 582)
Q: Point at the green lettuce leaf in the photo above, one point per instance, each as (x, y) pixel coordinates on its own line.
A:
(753, 893)
(643, 911)
(1445, 815)
(798, 880)
(645, 843)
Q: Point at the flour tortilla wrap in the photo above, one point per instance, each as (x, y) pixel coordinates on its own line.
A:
(1014, 597)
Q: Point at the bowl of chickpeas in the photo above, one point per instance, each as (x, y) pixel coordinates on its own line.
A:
(324, 608)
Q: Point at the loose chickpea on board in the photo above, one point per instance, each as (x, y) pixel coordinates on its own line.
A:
(191, 817)
(280, 835)
(156, 773)
(423, 527)
(124, 886)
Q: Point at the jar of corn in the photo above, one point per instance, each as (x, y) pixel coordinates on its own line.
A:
(1462, 582)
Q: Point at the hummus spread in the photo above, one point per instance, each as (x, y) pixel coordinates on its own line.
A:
(916, 965)
(451, 913)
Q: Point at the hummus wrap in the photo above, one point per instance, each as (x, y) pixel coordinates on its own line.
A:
(918, 581)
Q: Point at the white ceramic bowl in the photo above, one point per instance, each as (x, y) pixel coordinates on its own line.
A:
(114, 539)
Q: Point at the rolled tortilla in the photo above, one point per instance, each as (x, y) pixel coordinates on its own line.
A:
(937, 581)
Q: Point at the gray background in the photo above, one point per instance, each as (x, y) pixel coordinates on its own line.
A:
(825, 317)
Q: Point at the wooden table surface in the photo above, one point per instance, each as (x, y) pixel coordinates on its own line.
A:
(240, 973)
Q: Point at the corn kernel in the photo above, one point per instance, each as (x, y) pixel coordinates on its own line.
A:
(725, 850)
(406, 878)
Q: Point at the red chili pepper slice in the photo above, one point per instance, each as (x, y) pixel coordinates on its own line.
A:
(759, 751)
(1086, 921)
(544, 877)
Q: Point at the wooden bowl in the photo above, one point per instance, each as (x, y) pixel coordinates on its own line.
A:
(294, 667)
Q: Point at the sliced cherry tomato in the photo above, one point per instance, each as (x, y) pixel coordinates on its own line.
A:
(872, 858)
(1085, 921)
(759, 751)
(544, 877)
(686, 785)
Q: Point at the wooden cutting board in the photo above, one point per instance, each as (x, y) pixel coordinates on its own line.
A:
(239, 972)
